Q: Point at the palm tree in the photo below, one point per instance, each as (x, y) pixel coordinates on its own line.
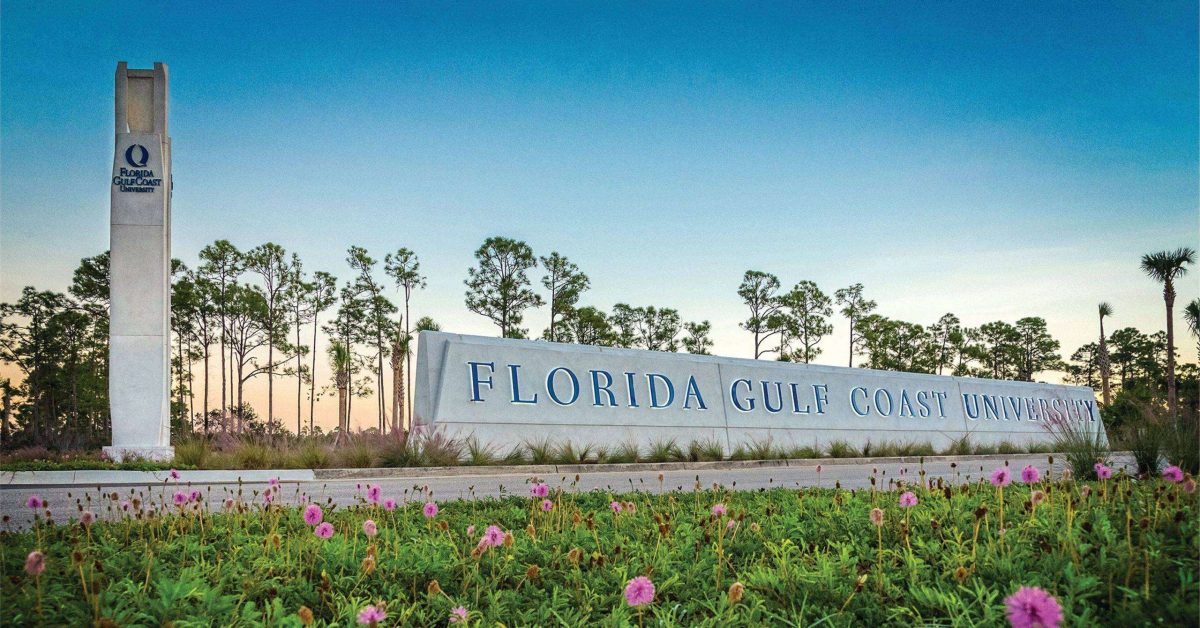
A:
(1165, 267)
(401, 350)
(1105, 310)
(1191, 314)
(339, 361)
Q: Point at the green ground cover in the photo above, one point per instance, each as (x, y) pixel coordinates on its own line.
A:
(1116, 552)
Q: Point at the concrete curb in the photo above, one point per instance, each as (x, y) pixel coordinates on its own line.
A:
(145, 478)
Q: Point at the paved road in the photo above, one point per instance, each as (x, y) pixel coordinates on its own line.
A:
(65, 501)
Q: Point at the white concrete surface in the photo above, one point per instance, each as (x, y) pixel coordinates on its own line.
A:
(139, 268)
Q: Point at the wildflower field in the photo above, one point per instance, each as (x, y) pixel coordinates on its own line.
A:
(1013, 547)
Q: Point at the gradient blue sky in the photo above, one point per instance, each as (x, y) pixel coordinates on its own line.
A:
(991, 159)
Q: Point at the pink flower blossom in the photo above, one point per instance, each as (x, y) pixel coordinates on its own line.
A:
(1032, 607)
(268, 497)
(430, 510)
(493, 536)
(313, 515)
(731, 524)
(373, 492)
(639, 591)
(471, 530)
(1030, 474)
(371, 616)
(35, 563)
(324, 531)
(389, 504)
(369, 528)
(35, 502)
(125, 505)
(718, 510)
(196, 495)
(1173, 473)
(1189, 486)
(547, 505)
(273, 482)
(539, 490)
(180, 498)
(174, 474)
(877, 517)
(87, 518)
(1102, 471)
(458, 615)
(1001, 477)
(616, 507)
(908, 499)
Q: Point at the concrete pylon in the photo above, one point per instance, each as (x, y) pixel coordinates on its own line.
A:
(139, 382)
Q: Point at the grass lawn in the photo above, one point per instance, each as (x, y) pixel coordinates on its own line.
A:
(1117, 552)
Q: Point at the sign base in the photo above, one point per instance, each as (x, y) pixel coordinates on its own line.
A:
(118, 453)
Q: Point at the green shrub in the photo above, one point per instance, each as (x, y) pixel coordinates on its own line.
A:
(843, 449)
(805, 452)
(540, 452)
(193, 452)
(1082, 447)
(707, 450)
(478, 454)
(1009, 448)
(665, 451)
(360, 454)
(569, 453)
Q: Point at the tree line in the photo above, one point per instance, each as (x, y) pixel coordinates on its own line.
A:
(259, 313)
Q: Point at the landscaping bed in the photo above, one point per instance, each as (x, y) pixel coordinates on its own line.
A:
(1114, 552)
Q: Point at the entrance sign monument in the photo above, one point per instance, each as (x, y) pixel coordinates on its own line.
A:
(140, 268)
(505, 392)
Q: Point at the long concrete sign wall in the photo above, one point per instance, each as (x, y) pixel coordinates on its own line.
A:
(506, 392)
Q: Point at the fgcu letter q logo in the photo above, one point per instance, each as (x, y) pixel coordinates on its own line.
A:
(137, 155)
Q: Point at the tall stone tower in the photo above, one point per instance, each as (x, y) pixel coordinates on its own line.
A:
(140, 268)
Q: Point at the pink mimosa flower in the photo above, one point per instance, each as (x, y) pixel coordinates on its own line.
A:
(371, 616)
(639, 591)
(547, 505)
(539, 490)
(458, 615)
(174, 474)
(369, 528)
(1032, 607)
(1001, 477)
(389, 504)
(908, 499)
(35, 502)
(35, 563)
(1030, 474)
(324, 531)
(1173, 473)
(493, 536)
(430, 510)
(180, 498)
(125, 505)
(470, 530)
(877, 517)
(313, 515)
(616, 507)
(373, 492)
(1102, 471)
(718, 509)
